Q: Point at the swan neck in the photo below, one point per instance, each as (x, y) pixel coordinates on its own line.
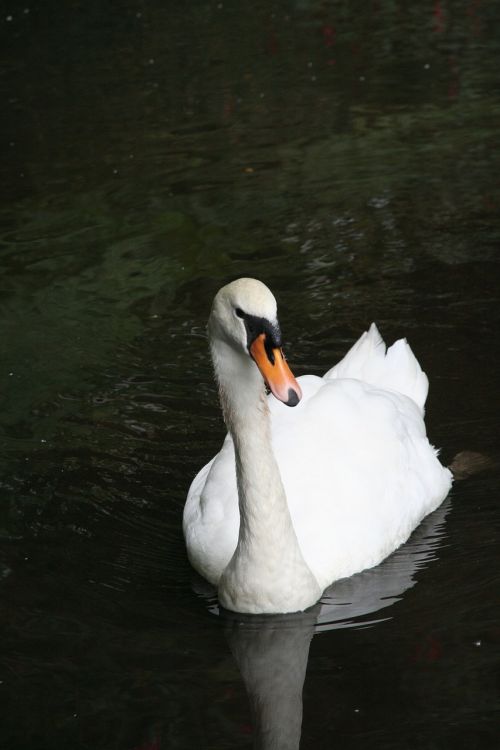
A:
(267, 572)
(246, 413)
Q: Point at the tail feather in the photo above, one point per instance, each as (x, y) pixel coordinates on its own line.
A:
(396, 368)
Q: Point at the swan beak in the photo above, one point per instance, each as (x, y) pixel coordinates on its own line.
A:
(275, 371)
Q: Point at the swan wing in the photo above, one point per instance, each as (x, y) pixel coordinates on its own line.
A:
(211, 515)
(359, 472)
(396, 368)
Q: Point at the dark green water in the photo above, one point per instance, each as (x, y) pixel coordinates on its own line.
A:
(346, 154)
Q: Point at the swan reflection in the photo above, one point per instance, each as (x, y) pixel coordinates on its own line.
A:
(272, 650)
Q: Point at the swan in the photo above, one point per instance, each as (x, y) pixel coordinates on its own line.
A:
(300, 497)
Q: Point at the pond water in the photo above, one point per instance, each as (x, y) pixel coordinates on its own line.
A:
(346, 155)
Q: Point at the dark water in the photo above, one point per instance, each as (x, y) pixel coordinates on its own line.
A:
(346, 154)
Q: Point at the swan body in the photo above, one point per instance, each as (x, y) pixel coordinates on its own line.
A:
(300, 497)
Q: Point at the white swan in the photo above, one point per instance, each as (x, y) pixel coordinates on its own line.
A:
(298, 498)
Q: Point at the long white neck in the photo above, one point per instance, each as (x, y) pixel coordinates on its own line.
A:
(267, 572)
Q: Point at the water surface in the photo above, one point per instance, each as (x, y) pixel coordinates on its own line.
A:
(346, 156)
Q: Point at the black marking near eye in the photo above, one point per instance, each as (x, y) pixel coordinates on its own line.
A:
(269, 349)
(255, 326)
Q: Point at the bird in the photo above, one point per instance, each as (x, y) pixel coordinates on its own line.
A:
(318, 478)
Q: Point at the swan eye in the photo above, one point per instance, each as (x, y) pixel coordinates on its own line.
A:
(239, 312)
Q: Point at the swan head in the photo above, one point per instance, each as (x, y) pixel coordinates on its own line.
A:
(244, 318)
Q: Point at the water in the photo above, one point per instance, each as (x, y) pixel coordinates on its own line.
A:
(349, 158)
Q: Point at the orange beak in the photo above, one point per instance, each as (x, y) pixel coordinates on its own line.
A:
(277, 374)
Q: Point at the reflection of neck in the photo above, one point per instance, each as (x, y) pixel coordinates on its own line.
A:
(272, 658)
(267, 572)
